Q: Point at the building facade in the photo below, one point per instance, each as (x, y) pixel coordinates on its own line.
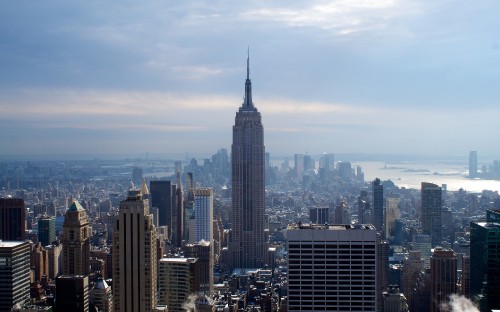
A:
(14, 274)
(76, 241)
(443, 277)
(134, 256)
(485, 262)
(46, 230)
(177, 280)
(12, 219)
(378, 206)
(247, 163)
(332, 268)
(431, 199)
(72, 293)
(204, 215)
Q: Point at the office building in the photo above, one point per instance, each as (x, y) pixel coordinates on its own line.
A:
(298, 160)
(465, 278)
(365, 214)
(161, 198)
(423, 244)
(177, 212)
(247, 160)
(342, 213)
(39, 261)
(46, 230)
(443, 277)
(177, 280)
(54, 253)
(394, 300)
(332, 268)
(14, 274)
(485, 262)
(101, 296)
(72, 293)
(12, 219)
(392, 213)
(412, 266)
(203, 251)
(203, 214)
(382, 281)
(134, 256)
(137, 176)
(473, 164)
(76, 241)
(431, 199)
(319, 215)
(378, 206)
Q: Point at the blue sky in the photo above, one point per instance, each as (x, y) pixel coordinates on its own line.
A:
(353, 76)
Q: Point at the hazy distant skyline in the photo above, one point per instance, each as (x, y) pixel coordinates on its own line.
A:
(355, 76)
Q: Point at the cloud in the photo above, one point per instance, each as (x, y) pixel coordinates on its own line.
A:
(459, 304)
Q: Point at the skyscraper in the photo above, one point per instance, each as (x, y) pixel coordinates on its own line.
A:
(443, 277)
(203, 214)
(177, 212)
(161, 198)
(76, 241)
(203, 251)
(378, 205)
(431, 198)
(12, 219)
(134, 256)
(473, 164)
(332, 268)
(177, 279)
(14, 273)
(247, 161)
(485, 262)
(72, 293)
(46, 230)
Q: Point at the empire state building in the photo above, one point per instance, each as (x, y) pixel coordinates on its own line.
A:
(247, 163)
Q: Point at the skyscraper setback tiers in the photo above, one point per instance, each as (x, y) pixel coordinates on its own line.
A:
(247, 161)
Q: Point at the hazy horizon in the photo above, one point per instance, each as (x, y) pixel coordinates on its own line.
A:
(391, 77)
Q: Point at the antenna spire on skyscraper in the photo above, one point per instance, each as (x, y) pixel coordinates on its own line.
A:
(247, 101)
(248, 63)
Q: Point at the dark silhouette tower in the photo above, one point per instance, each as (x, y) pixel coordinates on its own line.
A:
(12, 219)
(431, 198)
(247, 164)
(378, 205)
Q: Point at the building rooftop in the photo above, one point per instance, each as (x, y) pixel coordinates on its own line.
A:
(333, 227)
(76, 207)
(10, 244)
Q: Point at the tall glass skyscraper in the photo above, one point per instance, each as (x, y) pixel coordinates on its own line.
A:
(247, 161)
(431, 198)
(473, 164)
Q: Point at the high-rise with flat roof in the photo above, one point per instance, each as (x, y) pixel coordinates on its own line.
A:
(12, 219)
(161, 198)
(134, 256)
(14, 274)
(203, 214)
(177, 280)
(332, 268)
(247, 160)
(378, 205)
(72, 293)
(431, 199)
(443, 277)
(473, 164)
(485, 262)
(46, 230)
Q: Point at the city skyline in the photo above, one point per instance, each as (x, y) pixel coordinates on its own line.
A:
(340, 76)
